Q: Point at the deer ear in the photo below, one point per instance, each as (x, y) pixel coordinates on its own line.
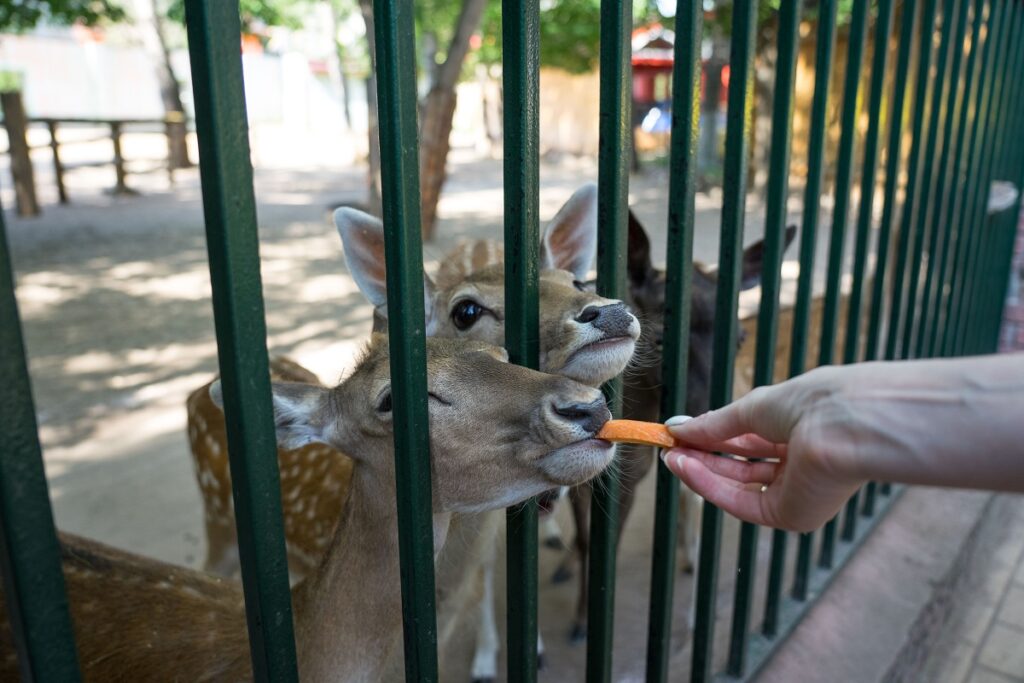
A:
(362, 237)
(570, 240)
(753, 259)
(638, 263)
(299, 412)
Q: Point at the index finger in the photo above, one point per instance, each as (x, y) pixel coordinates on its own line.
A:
(763, 412)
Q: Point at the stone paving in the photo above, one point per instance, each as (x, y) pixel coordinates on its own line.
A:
(985, 640)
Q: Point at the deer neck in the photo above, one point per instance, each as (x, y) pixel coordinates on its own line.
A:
(348, 615)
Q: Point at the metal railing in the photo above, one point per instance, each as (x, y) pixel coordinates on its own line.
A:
(940, 295)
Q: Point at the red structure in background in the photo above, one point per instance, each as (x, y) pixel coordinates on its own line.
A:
(652, 64)
(652, 67)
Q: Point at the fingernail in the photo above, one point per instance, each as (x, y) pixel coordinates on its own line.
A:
(677, 420)
(672, 457)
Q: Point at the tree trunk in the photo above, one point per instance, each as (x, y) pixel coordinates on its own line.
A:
(435, 130)
(16, 123)
(709, 161)
(437, 113)
(373, 192)
(764, 97)
(339, 56)
(150, 27)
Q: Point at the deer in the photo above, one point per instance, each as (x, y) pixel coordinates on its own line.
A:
(140, 619)
(642, 397)
(584, 337)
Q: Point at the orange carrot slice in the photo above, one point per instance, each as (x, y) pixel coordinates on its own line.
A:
(635, 431)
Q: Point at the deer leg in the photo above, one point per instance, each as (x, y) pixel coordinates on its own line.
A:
(580, 497)
(221, 547)
(552, 533)
(634, 464)
(485, 660)
(688, 531)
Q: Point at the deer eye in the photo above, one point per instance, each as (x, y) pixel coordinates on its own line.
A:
(384, 403)
(466, 313)
(582, 286)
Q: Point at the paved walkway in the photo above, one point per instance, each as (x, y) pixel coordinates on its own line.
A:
(985, 640)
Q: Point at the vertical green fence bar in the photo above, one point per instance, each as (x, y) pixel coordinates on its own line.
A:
(980, 285)
(944, 216)
(767, 320)
(915, 177)
(938, 241)
(883, 26)
(521, 90)
(1005, 222)
(37, 605)
(893, 158)
(978, 212)
(612, 217)
(808, 244)
(892, 173)
(967, 232)
(229, 209)
(1016, 173)
(837, 240)
(922, 205)
(676, 347)
(892, 166)
(737, 137)
(978, 190)
(403, 251)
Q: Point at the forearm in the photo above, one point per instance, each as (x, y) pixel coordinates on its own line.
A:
(957, 422)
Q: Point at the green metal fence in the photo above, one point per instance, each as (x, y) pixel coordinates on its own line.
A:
(937, 270)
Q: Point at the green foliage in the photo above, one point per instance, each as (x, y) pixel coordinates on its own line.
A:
(22, 15)
(254, 12)
(719, 22)
(570, 32)
(10, 81)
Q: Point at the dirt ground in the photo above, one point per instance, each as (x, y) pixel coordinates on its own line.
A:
(115, 302)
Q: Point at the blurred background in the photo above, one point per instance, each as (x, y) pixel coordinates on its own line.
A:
(104, 215)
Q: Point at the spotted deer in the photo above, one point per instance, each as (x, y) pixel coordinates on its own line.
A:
(642, 396)
(582, 336)
(137, 619)
(314, 478)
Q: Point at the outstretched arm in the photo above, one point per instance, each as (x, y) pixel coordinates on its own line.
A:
(951, 422)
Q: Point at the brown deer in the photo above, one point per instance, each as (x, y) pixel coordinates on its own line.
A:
(315, 480)
(138, 619)
(582, 336)
(642, 395)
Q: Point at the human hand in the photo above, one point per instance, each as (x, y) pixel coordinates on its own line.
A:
(951, 422)
(795, 486)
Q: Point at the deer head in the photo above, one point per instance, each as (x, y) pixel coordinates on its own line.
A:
(583, 336)
(485, 454)
(539, 435)
(647, 296)
(140, 619)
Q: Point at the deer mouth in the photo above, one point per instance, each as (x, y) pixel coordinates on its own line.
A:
(606, 344)
(577, 462)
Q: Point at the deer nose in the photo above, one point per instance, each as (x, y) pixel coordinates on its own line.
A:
(612, 319)
(588, 416)
(589, 314)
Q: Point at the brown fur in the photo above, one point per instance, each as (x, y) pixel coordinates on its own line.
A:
(314, 477)
(642, 394)
(141, 620)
